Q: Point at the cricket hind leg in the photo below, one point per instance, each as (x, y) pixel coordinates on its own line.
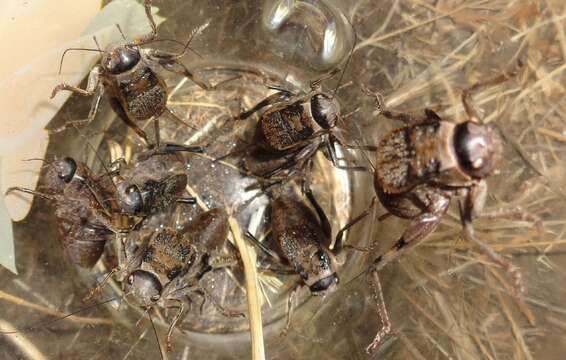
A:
(169, 149)
(219, 307)
(425, 208)
(469, 92)
(270, 100)
(79, 123)
(29, 191)
(473, 206)
(306, 189)
(408, 119)
(377, 294)
(416, 231)
(339, 241)
(117, 107)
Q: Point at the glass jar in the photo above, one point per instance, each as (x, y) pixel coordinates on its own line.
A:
(251, 45)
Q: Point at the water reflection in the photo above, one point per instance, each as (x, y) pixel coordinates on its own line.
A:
(312, 32)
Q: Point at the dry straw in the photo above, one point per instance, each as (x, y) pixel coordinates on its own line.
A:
(448, 301)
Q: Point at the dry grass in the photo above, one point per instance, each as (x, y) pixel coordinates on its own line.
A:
(446, 300)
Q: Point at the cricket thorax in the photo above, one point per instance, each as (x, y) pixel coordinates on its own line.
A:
(284, 128)
(408, 156)
(169, 254)
(159, 181)
(297, 245)
(162, 193)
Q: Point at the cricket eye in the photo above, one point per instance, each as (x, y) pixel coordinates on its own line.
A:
(66, 169)
(131, 200)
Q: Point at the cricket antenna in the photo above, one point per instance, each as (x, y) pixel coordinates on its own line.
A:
(35, 159)
(121, 32)
(102, 202)
(349, 58)
(298, 41)
(97, 44)
(74, 49)
(196, 31)
(46, 163)
(184, 45)
(356, 277)
(47, 323)
(30, 191)
(155, 332)
(96, 154)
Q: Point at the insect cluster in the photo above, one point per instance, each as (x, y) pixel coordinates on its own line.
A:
(125, 207)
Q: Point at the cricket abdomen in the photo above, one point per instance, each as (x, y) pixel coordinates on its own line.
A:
(145, 94)
(284, 128)
(298, 235)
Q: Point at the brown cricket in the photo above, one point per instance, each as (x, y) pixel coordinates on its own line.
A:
(303, 237)
(423, 165)
(153, 181)
(292, 130)
(128, 75)
(295, 125)
(84, 217)
(166, 269)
